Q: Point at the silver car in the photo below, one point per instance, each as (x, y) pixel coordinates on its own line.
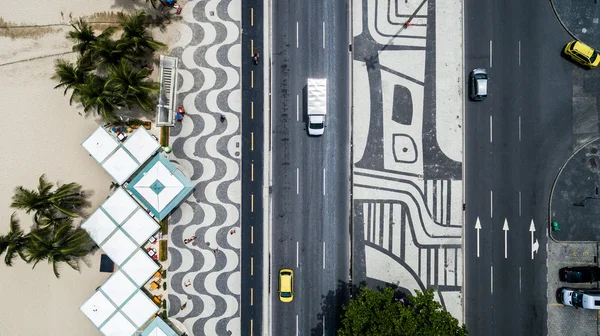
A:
(478, 83)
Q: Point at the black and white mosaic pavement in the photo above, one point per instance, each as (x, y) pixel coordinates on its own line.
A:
(407, 176)
(204, 236)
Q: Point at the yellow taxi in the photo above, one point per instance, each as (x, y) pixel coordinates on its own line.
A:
(582, 54)
(286, 285)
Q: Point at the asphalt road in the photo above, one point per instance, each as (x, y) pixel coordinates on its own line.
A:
(515, 142)
(253, 124)
(311, 177)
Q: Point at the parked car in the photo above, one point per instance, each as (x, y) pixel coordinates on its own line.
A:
(582, 54)
(478, 83)
(579, 274)
(580, 298)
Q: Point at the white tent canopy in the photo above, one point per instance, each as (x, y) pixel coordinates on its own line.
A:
(120, 205)
(120, 165)
(100, 144)
(118, 325)
(140, 267)
(121, 160)
(141, 144)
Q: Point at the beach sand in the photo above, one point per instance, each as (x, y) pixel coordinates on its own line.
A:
(42, 134)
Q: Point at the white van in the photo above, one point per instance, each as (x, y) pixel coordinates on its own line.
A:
(580, 298)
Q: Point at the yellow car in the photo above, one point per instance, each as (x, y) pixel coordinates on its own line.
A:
(582, 54)
(286, 285)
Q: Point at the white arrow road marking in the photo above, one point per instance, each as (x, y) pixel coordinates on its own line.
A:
(534, 244)
(505, 228)
(477, 227)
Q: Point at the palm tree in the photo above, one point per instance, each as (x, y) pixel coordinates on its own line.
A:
(57, 245)
(14, 242)
(66, 200)
(133, 84)
(70, 76)
(83, 36)
(107, 51)
(136, 35)
(94, 94)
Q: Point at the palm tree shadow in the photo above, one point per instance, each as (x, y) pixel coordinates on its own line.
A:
(332, 308)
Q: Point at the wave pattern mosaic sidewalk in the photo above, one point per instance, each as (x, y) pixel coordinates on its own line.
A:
(407, 176)
(204, 237)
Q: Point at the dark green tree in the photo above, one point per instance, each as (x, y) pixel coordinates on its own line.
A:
(106, 51)
(136, 35)
(61, 244)
(69, 76)
(96, 96)
(83, 36)
(14, 242)
(133, 84)
(375, 313)
(66, 200)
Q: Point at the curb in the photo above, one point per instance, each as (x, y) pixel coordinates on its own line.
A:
(267, 171)
(464, 171)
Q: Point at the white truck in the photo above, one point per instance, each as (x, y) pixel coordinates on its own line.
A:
(316, 105)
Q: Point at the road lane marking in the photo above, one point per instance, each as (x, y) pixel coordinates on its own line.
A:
(251, 329)
(251, 17)
(297, 254)
(323, 326)
(491, 131)
(519, 279)
(323, 255)
(323, 34)
(297, 181)
(323, 181)
(252, 296)
(297, 43)
(252, 141)
(505, 229)
(252, 266)
(491, 204)
(519, 204)
(490, 53)
(296, 325)
(252, 172)
(492, 278)
(252, 235)
(477, 227)
(519, 52)
(251, 202)
(251, 110)
(251, 47)
(519, 128)
(252, 79)
(297, 108)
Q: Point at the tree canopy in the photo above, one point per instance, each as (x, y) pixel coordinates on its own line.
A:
(53, 237)
(379, 313)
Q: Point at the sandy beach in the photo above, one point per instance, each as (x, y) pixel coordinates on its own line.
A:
(42, 134)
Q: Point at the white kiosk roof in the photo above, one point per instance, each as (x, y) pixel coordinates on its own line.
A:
(118, 288)
(139, 309)
(141, 144)
(118, 325)
(100, 144)
(120, 165)
(120, 206)
(119, 159)
(140, 267)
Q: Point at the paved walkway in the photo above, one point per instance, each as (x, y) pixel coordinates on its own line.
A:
(575, 202)
(580, 18)
(204, 274)
(407, 178)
